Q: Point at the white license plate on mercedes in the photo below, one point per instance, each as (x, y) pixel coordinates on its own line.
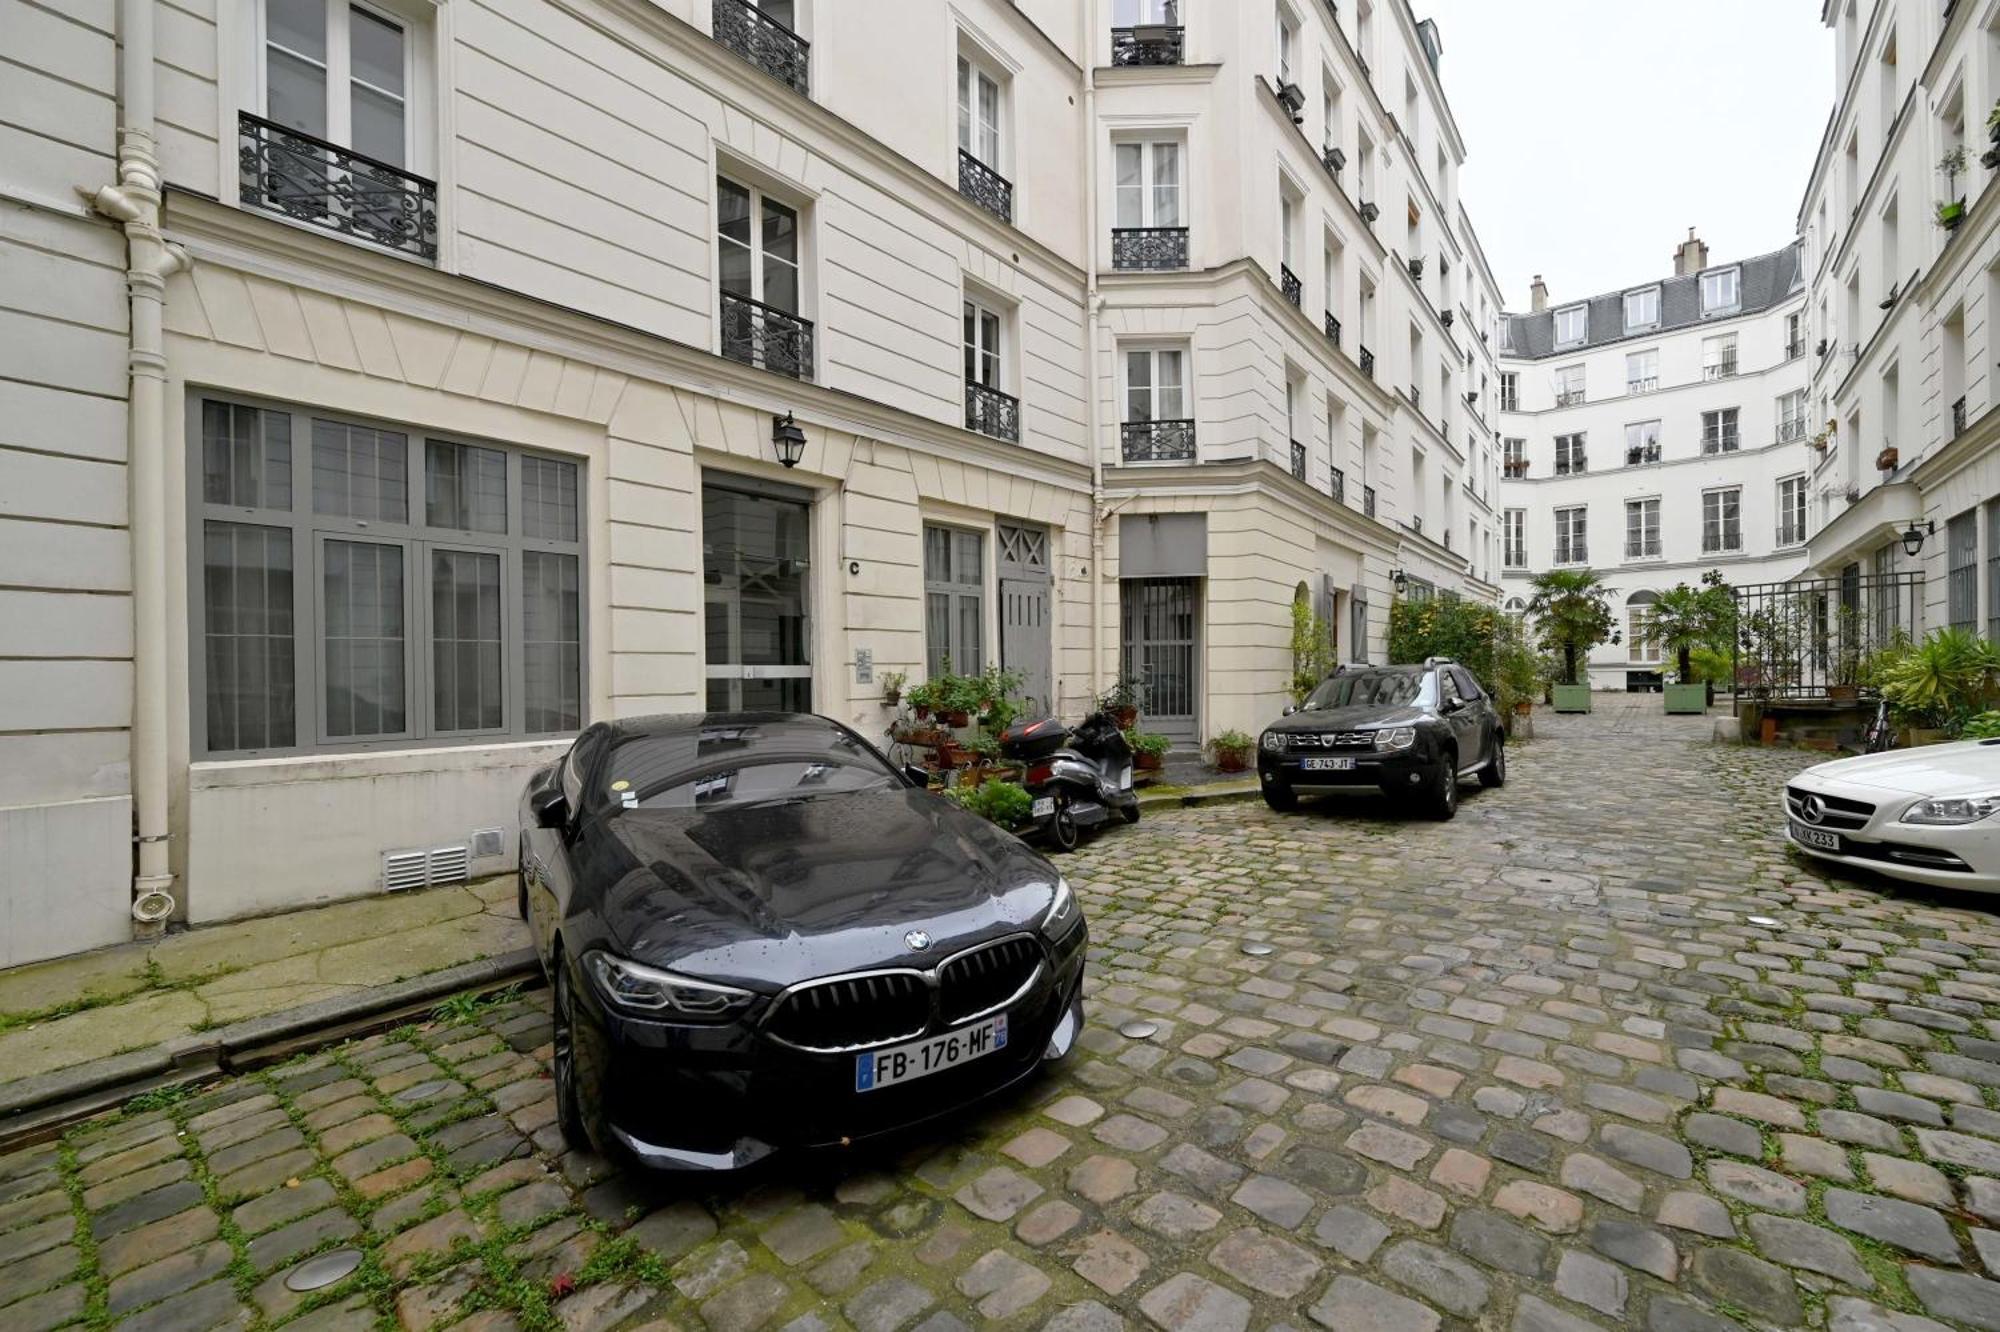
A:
(1818, 838)
(933, 1054)
(1327, 765)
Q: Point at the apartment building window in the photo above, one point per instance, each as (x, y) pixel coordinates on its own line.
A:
(1157, 427)
(1569, 386)
(1961, 580)
(1721, 291)
(1148, 229)
(954, 600)
(1642, 647)
(1792, 511)
(1569, 455)
(1510, 391)
(1642, 443)
(360, 584)
(1514, 457)
(757, 239)
(1718, 357)
(1718, 431)
(1288, 41)
(1642, 529)
(1571, 546)
(1642, 371)
(1792, 416)
(1795, 333)
(1572, 324)
(1721, 520)
(989, 409)
(765, 33)
(981, 176)
(1514, 538)
(1642, 309)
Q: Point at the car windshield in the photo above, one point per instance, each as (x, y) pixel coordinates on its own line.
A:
(730, 766)
(1364, 689)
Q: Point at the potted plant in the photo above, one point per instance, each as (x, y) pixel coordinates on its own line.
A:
(1572, 614)
(1886, 460)
(958, 698)
(1149, 751)
(923, 699)
(1942, 682)
(1231, 750)
(1952, 211)
(1121, 701)
(892, 687)
(1683, 619)
(1003, 803)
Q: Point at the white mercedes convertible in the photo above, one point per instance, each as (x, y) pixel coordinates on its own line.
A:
(1930, 815)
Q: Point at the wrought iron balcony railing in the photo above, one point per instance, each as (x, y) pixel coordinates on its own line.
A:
(1720, 370)
(766, 337)
(1368, 501)
(1650, 384)
(1515, 468)
(1795, 349)
(324, 185)
(985, 186)
(1143, 248)
(1570, 398)
(1157, 441)
(1294, 290)
(1641, 548)
(763, 41)
(1336, 485)
(991, 412)
(1791, 428)
(1643, 453)
(1147, 44)
(1368, 363)
(1721, 441)
(1298, 460)
(1958, 417)
(1332, 329)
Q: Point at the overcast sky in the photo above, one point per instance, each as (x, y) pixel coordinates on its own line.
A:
(1598, 131)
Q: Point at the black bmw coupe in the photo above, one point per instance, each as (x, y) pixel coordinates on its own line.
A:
(760, 934)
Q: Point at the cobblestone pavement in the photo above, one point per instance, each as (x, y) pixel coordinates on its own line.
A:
(1595, 1054)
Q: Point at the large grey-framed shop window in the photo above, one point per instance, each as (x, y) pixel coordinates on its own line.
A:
(358, 585)
(954, 600)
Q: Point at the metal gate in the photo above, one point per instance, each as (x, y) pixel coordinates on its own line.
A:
(1159, 619)
(1024, 613)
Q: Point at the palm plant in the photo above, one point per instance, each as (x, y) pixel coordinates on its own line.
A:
(1685, 618)
(1572, 615)
(1943, 680)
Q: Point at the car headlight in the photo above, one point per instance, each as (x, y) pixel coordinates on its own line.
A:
(643, 989)
(1949, 811)
(1273, 742)
(1062, 912)
(1398, 737)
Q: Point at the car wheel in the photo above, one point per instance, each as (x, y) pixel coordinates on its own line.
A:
(1441, 792)
(570, 1116)
(1283, 799)
(1063, 831)
(1495, 771)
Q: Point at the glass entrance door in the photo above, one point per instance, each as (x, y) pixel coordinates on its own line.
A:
(756, 571)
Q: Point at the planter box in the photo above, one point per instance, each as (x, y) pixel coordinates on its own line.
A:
(1572, 698)
(1687, 698)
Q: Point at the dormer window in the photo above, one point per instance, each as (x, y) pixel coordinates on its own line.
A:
(1642, 309)
(1721, 291)
(1572, 324)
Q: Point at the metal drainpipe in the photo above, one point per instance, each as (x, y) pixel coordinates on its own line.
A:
(1091, 304)
(135, 202)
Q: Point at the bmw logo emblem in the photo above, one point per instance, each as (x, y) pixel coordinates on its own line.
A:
(1812, 809)
(917, 940)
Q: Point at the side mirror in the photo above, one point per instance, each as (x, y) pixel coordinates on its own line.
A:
(550, 809)
(1290, 708)
(918, 776)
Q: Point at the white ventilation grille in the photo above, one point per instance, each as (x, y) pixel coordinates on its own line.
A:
(416, 869)
(488, 842)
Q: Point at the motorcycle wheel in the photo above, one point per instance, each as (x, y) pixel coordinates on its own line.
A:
(1130, 815)
(1063, 832)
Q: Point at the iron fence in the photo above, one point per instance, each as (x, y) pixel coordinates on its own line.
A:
(985, 186)
(991, 412)
(763, 41)
(1149, 247)
(324, 185)
(1147, 44)
(1811, 638)
(1158, 441)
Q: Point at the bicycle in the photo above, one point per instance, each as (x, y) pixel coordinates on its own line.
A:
(1880, 737)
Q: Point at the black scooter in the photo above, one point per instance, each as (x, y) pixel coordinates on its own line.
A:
(1079, 779)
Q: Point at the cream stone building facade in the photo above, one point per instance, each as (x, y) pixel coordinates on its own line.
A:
(396, 386)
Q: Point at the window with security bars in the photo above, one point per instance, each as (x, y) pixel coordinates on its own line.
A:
(1571, 546)
(358, 584)
(1642, 528)
(1569, 455)
(1961, 580)
(1719, 431)
(1721, 520)
(954, 601)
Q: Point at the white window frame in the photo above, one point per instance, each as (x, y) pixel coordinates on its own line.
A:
(1150, 151)
(1719, 357)
(1572, 453)
(985, 310)
(1720, 543)
(958, 592)
(1288, 43)
(1642, 647)
(419, 95)
(1721, 431)
(1510, 390)
(759, 292)
(975, 129)
(1648, 510)
(1792, 508)
(1647, 297)
(1572, 528)
(1565, 395)
(1648, 434)
(1721, 291)
(1791, 424)
(1649, 360)
(1153, 354)
(1579, 315)
(1514, 538)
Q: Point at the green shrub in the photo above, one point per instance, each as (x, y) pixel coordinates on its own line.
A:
(1942, 681)
(1004, 803)
(1466, 631)
(1984, 726)
(1146, 742)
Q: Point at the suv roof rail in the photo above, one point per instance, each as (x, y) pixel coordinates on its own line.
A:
(1439, 661)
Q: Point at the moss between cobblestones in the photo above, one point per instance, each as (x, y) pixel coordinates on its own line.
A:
(96, 1285)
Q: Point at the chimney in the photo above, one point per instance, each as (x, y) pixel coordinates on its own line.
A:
(1691, 256)
(1539, 295)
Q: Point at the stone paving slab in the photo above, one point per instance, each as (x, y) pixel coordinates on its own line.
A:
(1533, 1070)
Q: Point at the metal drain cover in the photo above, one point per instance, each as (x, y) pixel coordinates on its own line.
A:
(1259, 949)
(423, 1091)
(321, 1272)
(1548, 881)
(1138, 1029)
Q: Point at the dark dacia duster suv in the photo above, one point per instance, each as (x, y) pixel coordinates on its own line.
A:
(1414, 731)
